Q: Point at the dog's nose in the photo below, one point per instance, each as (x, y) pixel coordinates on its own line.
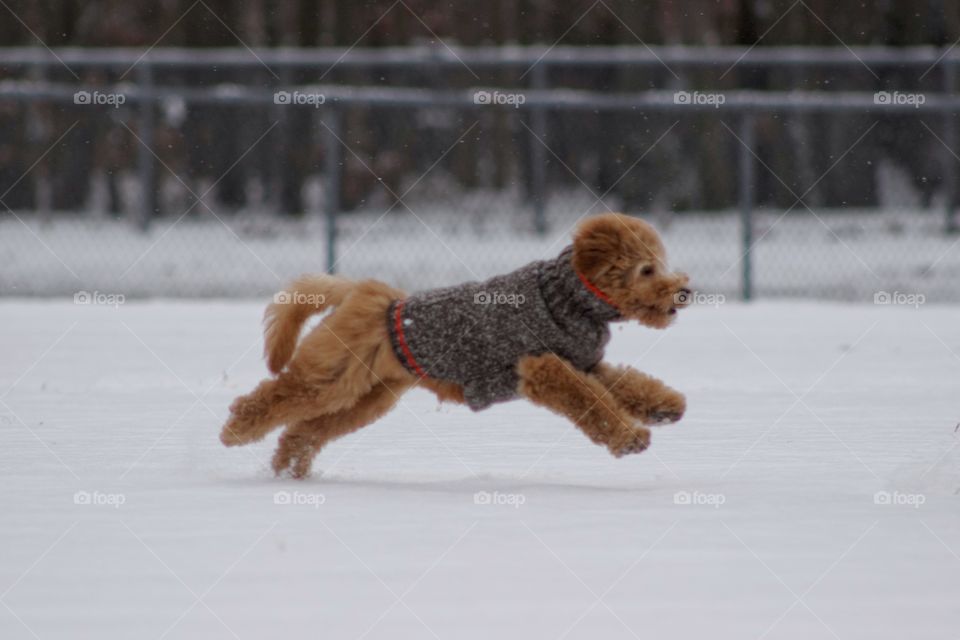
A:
(682, 298)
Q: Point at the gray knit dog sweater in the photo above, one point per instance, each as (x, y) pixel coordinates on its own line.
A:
(475, 333)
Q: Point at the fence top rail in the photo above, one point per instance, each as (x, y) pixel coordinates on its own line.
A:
(505, 56)
(561, 99)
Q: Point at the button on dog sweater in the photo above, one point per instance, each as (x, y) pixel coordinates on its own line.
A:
(475, 333)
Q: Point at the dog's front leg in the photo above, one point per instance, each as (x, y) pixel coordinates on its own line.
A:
(646, 398)
(552, 382)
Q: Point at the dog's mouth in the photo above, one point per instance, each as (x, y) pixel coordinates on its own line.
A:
(654, 308)
(666, 310)
(655, 313)
(679, 300)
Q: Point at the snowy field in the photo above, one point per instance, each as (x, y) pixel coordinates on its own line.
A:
(758, 516)
(846, 255)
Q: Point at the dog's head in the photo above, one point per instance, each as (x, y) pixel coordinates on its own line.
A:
(624, 258)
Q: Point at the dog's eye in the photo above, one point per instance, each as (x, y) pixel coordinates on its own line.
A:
(647, 270)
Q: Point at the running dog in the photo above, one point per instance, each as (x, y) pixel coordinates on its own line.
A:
(537, 333)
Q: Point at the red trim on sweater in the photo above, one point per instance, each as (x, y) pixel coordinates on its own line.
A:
(398, 327)
(592, 288)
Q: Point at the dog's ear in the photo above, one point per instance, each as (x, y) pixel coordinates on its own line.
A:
(597, 243)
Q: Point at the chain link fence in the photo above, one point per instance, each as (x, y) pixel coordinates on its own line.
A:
(771, 172)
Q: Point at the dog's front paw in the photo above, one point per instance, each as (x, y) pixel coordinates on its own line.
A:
(670, 408)
(636, 441)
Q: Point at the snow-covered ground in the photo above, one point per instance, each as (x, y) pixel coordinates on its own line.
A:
(846, 255)
(757, 516)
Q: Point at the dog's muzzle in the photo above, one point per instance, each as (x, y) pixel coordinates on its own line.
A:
(682, 298)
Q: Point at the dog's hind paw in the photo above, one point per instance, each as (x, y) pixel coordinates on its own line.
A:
(636, 442)
(230, 437)
(669, 409)
(659, 418)
(294, 455)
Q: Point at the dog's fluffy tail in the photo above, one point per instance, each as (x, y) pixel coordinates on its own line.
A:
(285, 316)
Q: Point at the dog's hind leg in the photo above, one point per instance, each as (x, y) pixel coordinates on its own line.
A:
(291, 398)
(644, 397)
(333, 367)
(274, 402)
(552, 382)
(302, 441)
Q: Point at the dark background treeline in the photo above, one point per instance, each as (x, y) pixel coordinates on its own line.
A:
(691, 168)
(305, 23)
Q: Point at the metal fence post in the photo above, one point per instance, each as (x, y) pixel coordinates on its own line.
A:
(332, 165)
(950, 140)
(538, 169)
(746, 171)
(147, 162)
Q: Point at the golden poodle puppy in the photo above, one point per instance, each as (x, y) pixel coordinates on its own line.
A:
(538, 333)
